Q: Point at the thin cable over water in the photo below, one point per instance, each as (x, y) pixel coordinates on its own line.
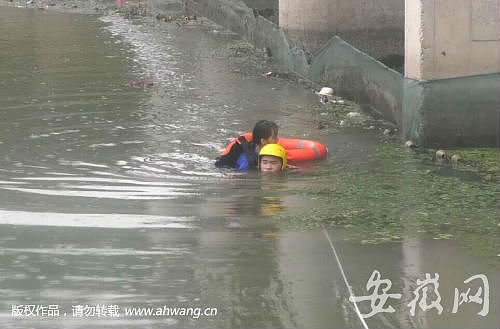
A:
(349, 288)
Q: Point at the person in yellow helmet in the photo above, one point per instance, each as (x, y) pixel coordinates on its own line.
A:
(272, 158)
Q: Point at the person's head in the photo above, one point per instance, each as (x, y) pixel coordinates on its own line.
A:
(272, 158)
(265, 132)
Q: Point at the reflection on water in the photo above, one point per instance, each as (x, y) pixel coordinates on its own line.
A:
(109, 194)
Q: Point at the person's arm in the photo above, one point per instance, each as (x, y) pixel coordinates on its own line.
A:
(242, 163)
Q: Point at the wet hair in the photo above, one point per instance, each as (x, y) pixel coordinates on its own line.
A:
(264, 129)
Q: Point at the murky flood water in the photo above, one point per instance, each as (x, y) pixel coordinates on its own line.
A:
(109, 195)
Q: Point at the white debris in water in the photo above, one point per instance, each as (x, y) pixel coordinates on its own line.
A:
(326, 91)
(353, 114)
(325, 95)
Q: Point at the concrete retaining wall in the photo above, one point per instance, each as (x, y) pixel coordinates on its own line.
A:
(449, 112)
(460, 111)
(352, 73)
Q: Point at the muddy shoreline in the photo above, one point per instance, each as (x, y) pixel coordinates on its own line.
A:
(97, 7)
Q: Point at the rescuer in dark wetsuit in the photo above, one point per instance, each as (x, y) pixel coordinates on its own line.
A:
(242, 152)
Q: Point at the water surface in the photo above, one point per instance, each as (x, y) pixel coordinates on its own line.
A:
(109, 195)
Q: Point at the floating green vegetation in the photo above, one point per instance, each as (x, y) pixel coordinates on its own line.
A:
(402, 194)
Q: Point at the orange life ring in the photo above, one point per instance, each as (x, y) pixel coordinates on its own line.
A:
(303, 149)
(296, 149)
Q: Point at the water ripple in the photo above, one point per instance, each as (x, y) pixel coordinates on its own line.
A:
(94, 220)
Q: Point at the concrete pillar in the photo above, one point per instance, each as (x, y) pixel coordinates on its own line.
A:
(452, 65)
(451, 38)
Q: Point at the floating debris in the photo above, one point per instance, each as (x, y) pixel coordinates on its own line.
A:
(325, 95)
(326, 91)
(409, 144)
(187, 19)
(441, 157)
(455, 159)
(440, 154)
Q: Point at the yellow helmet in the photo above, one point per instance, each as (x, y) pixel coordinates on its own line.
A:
(274, 150)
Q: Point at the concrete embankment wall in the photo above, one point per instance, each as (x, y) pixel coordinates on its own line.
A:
(446, 112)
(453, 112)
(453, 53)
(337, 64)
